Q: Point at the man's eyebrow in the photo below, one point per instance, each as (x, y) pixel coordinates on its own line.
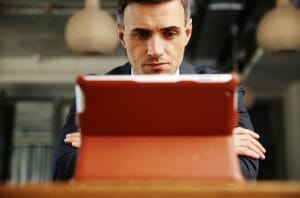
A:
(170, 28)
(162, 29)
(140, 30)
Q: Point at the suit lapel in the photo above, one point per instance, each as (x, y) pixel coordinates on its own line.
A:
(126, 69)
(186, 68)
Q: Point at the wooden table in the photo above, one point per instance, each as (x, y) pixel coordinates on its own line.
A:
(153, 189)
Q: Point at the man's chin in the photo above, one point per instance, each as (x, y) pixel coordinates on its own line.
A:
(159, 72)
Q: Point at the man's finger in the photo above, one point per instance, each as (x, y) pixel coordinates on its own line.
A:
(71, 139)
(247, 137)
(245, 151)
(255, 149)
(258, 145)
(75, 134)
(240, 130)
(76, 144)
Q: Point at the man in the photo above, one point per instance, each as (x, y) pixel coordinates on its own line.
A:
(154, 34)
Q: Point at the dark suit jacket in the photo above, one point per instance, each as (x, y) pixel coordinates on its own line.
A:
(65, 154)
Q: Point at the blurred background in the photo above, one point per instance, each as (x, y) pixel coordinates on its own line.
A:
(40, 59)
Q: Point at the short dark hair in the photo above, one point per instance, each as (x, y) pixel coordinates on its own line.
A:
(122, 4)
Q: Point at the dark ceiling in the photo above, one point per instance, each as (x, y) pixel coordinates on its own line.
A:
(224, 31)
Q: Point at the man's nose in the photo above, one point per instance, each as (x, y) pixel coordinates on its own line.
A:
(155, 47)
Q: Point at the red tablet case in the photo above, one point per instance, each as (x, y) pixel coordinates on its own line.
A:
(157, 130)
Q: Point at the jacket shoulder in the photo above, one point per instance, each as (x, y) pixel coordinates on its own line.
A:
(124, 69)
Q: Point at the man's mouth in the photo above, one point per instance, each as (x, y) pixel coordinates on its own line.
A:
(156, 64)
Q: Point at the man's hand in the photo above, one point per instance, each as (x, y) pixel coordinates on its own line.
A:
(74, 139)
(246, 144)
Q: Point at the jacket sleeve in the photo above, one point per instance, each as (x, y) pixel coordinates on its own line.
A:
(64, 157)
(249, 166)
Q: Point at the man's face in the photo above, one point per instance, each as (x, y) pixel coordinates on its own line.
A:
(155, 36)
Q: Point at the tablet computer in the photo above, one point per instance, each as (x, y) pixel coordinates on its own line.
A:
(157, 127)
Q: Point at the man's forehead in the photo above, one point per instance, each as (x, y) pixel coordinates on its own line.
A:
(164, 15)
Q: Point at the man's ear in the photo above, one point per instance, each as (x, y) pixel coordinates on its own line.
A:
(188, 31)
(121, 35)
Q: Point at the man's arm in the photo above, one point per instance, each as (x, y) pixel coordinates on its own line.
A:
(250, 151)
(64, 158)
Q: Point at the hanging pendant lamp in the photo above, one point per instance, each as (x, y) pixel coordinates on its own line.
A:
(91, 30)
(279, 29)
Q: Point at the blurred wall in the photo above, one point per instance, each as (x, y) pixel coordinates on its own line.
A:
(292, 132)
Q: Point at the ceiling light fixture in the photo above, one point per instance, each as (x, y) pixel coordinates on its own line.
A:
(91, 30)
(279, 29)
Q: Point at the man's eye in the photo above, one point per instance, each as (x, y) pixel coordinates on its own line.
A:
(170, 34)
(141, 35)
